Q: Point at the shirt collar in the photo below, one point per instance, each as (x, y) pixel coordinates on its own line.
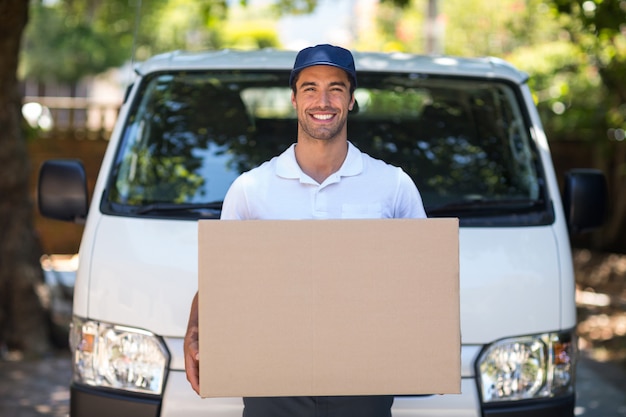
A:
(287, 166)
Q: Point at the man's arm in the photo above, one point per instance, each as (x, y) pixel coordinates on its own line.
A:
(191, 347)
(235, 197)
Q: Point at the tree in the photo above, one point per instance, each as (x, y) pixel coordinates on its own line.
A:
(63, 49)
(22, 320)
(597, 114)
(69, 40)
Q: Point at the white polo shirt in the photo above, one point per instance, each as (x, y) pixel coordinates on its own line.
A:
(363, 187)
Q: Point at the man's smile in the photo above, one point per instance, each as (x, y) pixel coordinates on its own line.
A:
(323, 116)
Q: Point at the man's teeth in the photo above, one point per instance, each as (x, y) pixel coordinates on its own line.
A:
(322, 116)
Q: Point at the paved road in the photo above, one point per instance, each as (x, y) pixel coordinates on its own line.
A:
(601, 389)
(40, 388)
(35, 388)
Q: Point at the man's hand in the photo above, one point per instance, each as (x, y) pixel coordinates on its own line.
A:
(192, 353)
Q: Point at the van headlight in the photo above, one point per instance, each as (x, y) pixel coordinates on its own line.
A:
(118, 357)
(528, 367)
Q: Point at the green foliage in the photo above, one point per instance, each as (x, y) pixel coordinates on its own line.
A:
(181, 25)
(295, 6)
(250, 36)
(596, 33)
(594, 15)
(250, 28)
(567, 90)
(397, 28)
(468, 27)
(60, 46)
(573, 50)
(67, 40)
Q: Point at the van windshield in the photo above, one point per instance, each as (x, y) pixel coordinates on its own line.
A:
(465, 142)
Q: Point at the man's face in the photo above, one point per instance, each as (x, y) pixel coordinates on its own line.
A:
(322, 100)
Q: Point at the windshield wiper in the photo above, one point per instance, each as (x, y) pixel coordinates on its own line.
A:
(177, 207)
(490, 206)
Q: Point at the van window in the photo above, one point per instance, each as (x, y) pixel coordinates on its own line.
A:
(465, 143)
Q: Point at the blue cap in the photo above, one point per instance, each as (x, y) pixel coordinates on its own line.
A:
(334, 56)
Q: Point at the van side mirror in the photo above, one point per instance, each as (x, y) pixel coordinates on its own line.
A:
(62, 190)
(585, 198)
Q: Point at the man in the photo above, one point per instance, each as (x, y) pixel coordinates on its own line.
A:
(322, 176)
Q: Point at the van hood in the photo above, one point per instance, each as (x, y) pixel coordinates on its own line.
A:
(144, 274)
(510, 283)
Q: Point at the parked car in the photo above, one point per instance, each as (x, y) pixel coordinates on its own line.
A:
(57, 293)
(465, 130)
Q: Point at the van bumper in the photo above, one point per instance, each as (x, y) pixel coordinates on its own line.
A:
(87, 401)
(554, 407)
(179, 399)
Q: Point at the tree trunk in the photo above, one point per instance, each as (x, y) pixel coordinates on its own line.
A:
(23, 324)
(434, 31)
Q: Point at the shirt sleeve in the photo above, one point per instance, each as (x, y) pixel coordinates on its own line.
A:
(408, 198)
(235, 205)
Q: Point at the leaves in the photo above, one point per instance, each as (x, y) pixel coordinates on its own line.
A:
(66, 48)
(68, 40)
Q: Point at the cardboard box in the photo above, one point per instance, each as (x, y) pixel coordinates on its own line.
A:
(329, 307)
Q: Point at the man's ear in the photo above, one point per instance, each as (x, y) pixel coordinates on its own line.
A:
(293, 99)
(352, 101)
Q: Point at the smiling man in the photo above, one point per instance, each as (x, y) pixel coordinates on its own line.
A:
(323, 82)
(321, 176)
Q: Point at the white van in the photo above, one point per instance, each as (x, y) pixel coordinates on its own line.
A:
(465, 130)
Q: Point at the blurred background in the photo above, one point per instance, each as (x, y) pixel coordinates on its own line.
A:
(71, 62)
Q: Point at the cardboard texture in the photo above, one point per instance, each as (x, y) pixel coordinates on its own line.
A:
(329, 307)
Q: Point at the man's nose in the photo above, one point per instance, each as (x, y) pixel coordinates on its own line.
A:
(323, 98)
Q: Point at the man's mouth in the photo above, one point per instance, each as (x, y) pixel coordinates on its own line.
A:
(323, 116)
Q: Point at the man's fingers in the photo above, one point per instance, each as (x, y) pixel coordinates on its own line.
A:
(192, 370)
(192, 356)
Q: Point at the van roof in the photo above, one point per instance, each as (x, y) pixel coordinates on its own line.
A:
(272, 59)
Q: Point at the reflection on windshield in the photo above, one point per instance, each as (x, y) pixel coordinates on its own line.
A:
(191, 134)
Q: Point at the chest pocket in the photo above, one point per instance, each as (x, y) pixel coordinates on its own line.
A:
(362, 211)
